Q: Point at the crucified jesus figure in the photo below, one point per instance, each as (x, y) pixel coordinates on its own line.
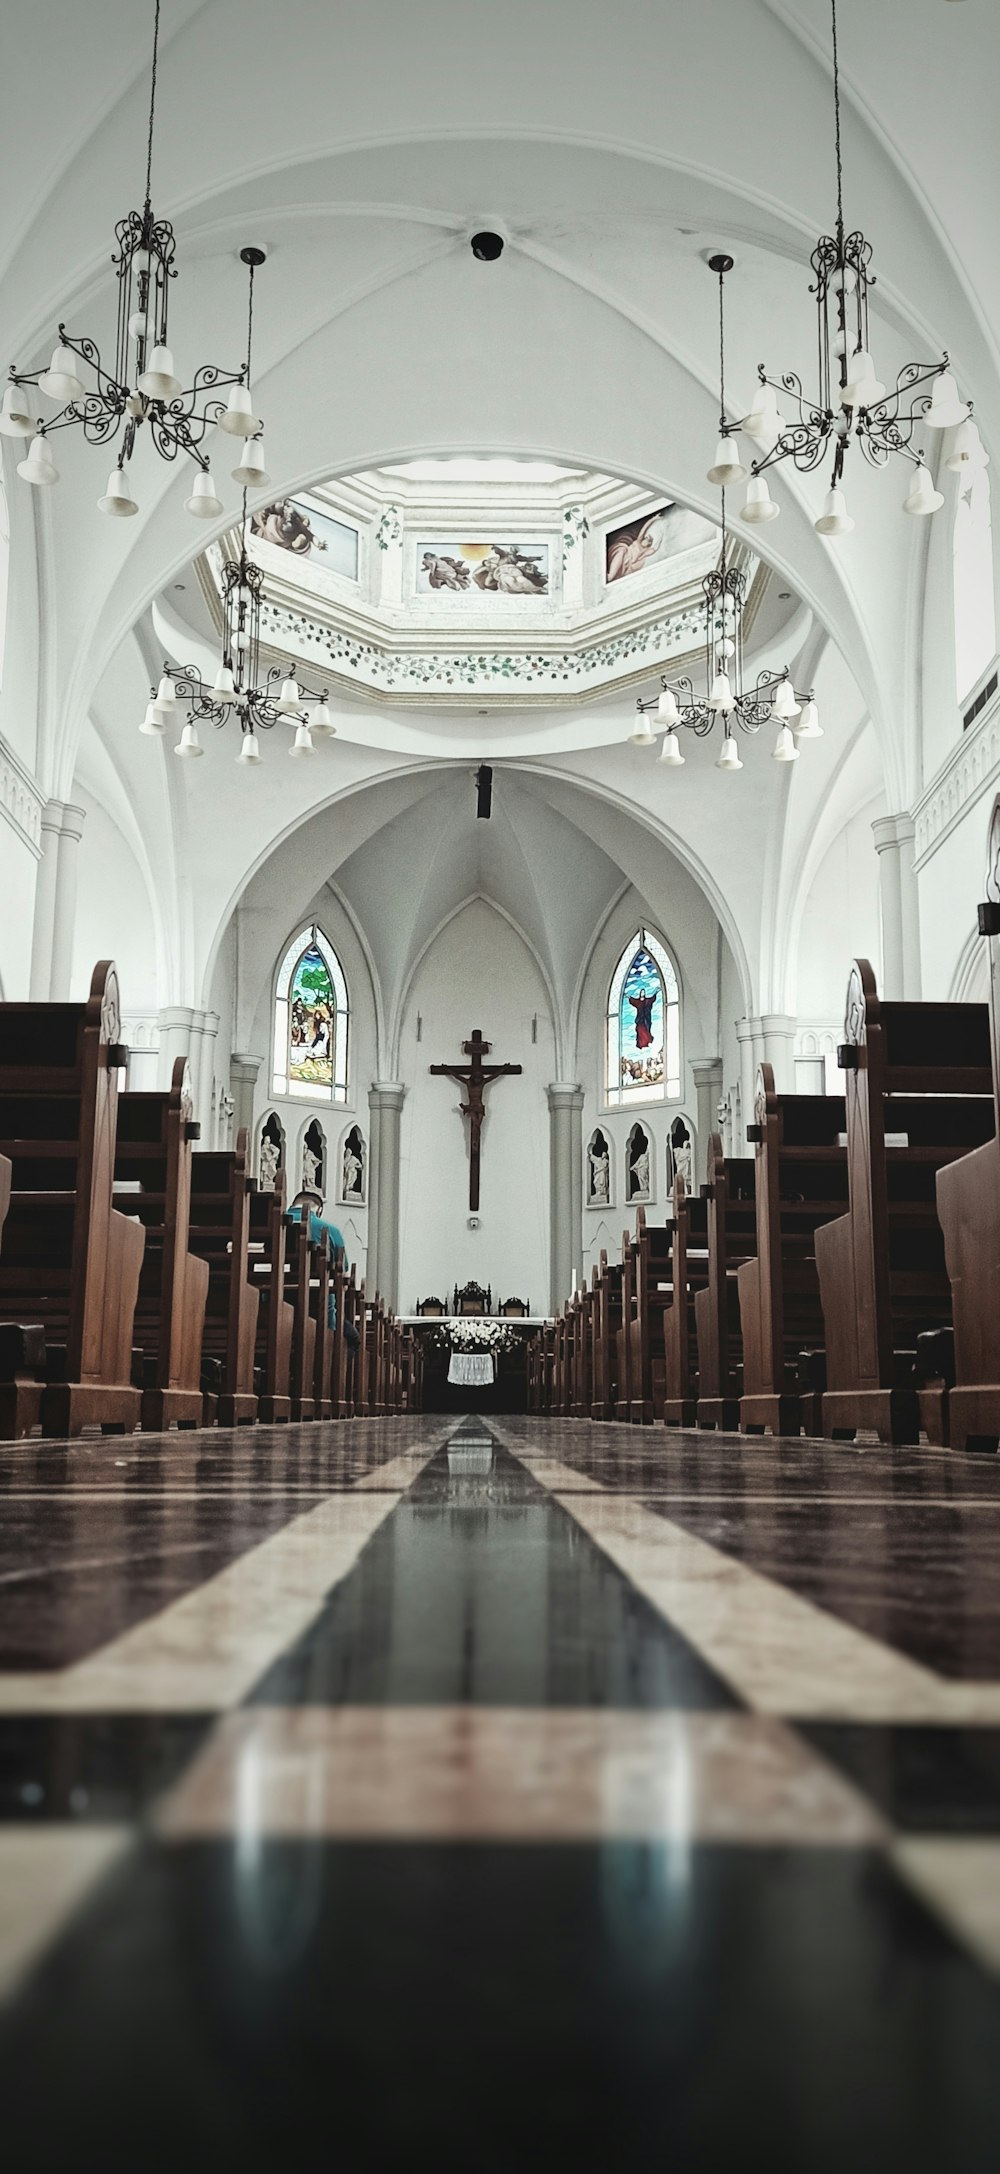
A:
(474, 1077)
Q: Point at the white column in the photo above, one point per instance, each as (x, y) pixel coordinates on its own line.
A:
(894, 840)
(204, 1028)
(707, 1072)
(385, 1102)
(565, 1190)
(749, 1035)
(176, 1037)
(55, 903)
(243, 1070)
(778, 1030)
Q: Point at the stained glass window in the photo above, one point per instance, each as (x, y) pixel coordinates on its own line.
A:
(644, 1025)
(310, 1021)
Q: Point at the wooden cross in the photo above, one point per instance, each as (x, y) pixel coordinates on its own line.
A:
(475, 1077)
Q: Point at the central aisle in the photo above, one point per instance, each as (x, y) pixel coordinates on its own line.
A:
(509, 1792)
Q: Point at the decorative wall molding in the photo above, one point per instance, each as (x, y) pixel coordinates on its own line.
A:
(21, 800)
(969, 771)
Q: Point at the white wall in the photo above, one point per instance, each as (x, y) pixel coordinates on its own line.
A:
(478, 972)
(114, 917)
(840, 921)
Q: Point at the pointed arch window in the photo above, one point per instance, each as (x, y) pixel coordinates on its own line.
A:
(311, 1021)
(644, 1025)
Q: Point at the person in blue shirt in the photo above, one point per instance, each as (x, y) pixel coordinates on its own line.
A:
(306, 1206)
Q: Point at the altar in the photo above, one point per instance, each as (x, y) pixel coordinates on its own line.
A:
(474, 1359)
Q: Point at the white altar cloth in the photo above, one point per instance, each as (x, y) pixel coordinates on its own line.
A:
(471, 1369)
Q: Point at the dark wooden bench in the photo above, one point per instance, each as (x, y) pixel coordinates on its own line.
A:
(70, 1266)
(650, 1293)
(730, 1194)
(607, 1325)
(688, 1276)
(301, 1259)
(269, 1235)
(153, 1181)
(918, 1074)
(800, 1180)
(219, 1232)
(968, 1205)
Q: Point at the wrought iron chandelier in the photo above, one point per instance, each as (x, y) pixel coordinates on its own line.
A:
(141, 387)
(727, 699)
(851, 402)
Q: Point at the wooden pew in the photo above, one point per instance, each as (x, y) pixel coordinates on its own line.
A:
(968, 1205)
(920, 1073)
(362, 1353)
(607, 1325)
(341, 1367)
(324, 1338)
(301, 1253)
(6, 1174)
(70, 1265)
(687, 1279)
(582, 1350)
(650, 1293)
(800, 1184)
(269, 1232)
(153, 1181)
(219, 1232)
(731, 1197)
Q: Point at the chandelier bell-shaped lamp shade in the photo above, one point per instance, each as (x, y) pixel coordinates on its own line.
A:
(302, 743)
(967, 449)
(762, 422)
(289, 698)
(118, 499)
(807, 726)
(785, 749)
(250, 469)
(834, 519)
(224, 685)
(670, 752)
(721, 698)
(863, 389)
(38, 465)
(203, 501)
(60, 381)
(15, 414)
(946, 410)
(922, 498)
(166, 698)
(642, 734)
(238, 417)
(189, 746)
(321, 723)
(784, 705)
(758, 505)
(249, 749)
(158, 380)
(728, 757)
(727, 466)
(154, 724)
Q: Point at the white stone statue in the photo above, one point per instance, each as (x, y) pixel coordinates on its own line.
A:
(352, 1173)
(270, 1156)
(683, 1163)
(600, 1175)
(310, 1170)
(640, 1175)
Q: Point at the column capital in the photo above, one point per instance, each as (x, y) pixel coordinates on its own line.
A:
(705, 1069)
(748, 1029)
(784, 1023)
(63, 817)
(386, 1094)
(891, 831)
(245, 1065)
(177, 1015)
(565, 1095)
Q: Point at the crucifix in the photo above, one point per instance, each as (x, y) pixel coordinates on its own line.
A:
(475, 1077)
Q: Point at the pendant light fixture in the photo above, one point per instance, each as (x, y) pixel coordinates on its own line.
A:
(851, 401)
(727, 700)
(259, 702)
(141, 387)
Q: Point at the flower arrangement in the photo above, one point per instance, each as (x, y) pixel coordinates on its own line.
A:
(474, 1335)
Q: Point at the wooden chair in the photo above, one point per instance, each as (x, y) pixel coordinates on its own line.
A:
(800, 1183)
(70, 1265)
(968, 1206)
(431, 1306)
(473, 1298)
(514, 1309)
(919, 1092)
(153, 1181)
(276, 1319)
(730, 1195)
(219, 1232)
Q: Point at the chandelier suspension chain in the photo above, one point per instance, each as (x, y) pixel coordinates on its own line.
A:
(836, 125)
(152, 108)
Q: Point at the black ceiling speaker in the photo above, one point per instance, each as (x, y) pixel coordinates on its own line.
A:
(484, 792)
(487, 247)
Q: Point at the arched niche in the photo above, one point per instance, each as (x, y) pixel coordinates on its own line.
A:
(600, 1172)
(313, 1158)
(352, 1176)
(270, 1150)
(640, 1181)
(681, 1152)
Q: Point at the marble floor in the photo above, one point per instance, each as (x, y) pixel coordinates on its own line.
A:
(514, 1792)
